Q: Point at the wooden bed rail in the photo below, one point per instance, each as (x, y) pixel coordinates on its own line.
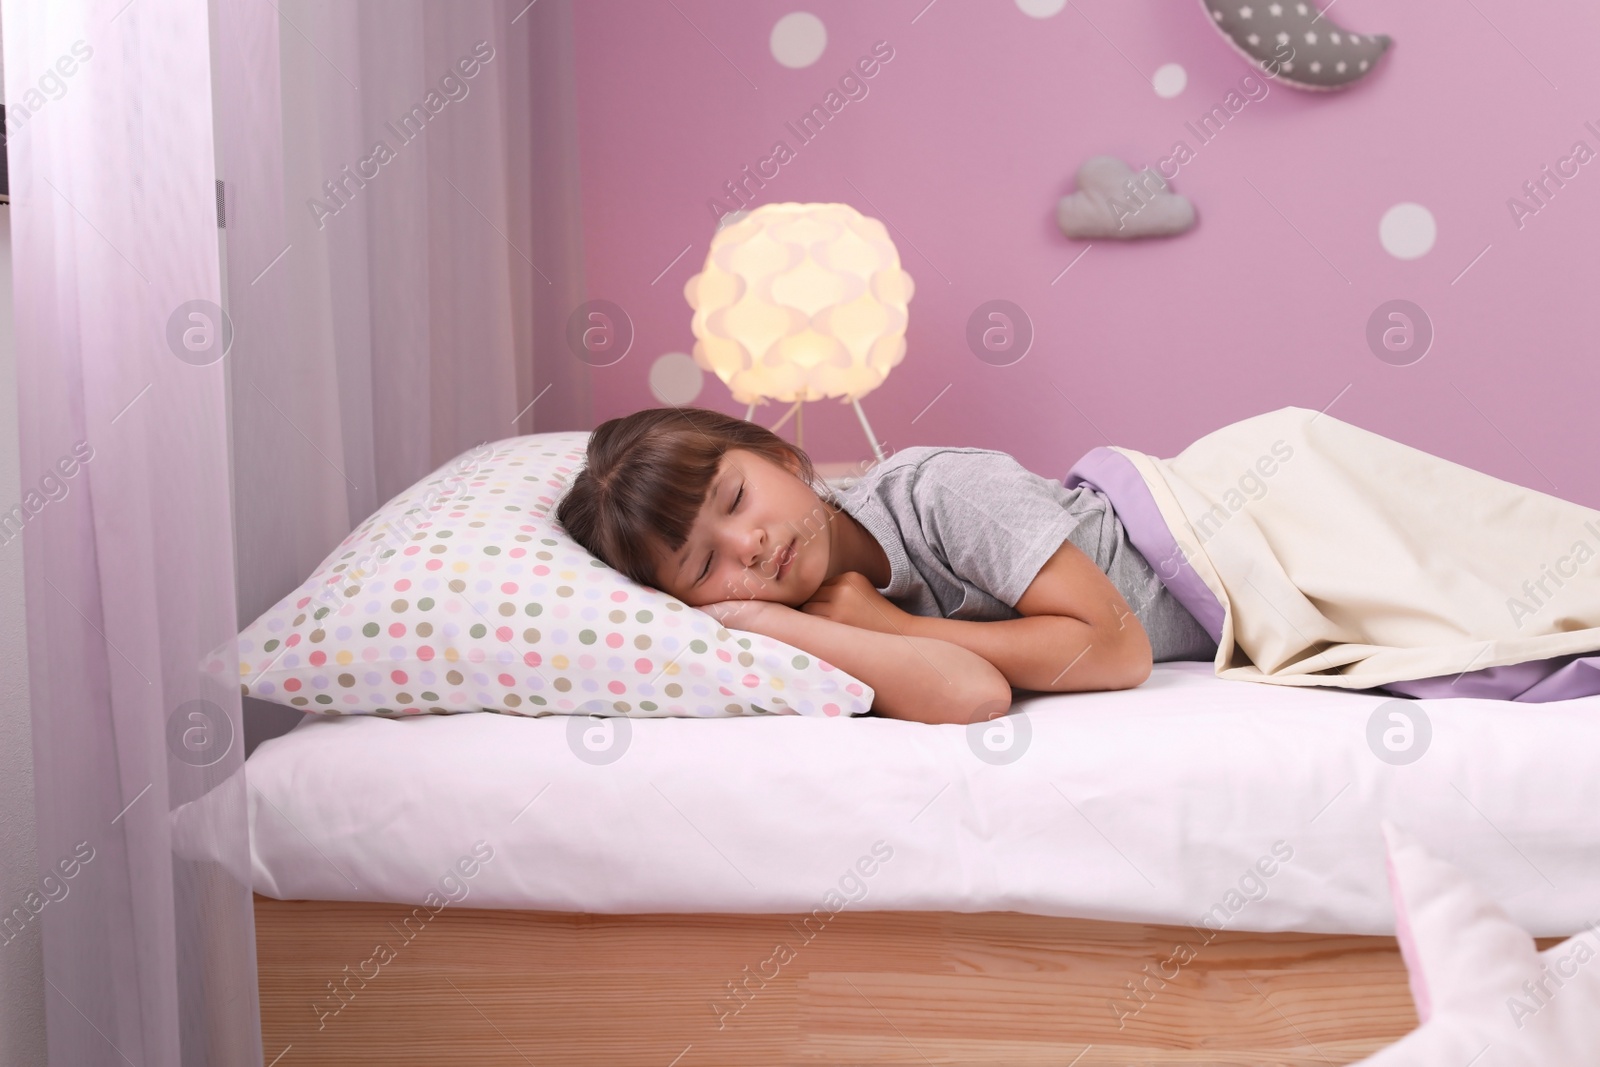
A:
(350, 983)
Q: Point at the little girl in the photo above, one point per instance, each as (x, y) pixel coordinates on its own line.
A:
(943, 578)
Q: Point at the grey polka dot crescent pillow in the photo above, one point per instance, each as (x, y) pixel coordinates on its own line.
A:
(1304, 47)
(462, 594)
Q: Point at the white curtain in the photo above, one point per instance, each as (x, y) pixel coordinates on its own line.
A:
(149, 955)
(184, 487)
(392, 306)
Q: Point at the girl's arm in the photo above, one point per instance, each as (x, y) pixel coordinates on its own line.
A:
(919, 678)
(1077, 632)
(1049, 653)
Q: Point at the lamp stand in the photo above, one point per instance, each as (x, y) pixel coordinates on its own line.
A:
(794, 409)
(872, 438)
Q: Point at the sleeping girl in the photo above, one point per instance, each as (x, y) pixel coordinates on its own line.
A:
(943, 578)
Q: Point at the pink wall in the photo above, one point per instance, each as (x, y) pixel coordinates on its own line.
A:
(972, 132)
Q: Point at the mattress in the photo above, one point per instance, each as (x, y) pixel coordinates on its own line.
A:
(1190, 800)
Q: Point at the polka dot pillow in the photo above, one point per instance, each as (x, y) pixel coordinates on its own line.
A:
(464, 594)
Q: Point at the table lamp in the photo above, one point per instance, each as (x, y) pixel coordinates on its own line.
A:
(801, 302)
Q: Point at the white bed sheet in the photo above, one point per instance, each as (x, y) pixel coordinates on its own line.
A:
(1148, 805)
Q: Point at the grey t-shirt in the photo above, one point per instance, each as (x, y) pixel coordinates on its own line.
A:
(966, 531)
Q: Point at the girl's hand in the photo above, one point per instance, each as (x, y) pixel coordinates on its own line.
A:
(755, 615)
(852, 599)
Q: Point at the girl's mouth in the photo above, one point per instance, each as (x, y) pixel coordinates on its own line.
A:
(785, 560)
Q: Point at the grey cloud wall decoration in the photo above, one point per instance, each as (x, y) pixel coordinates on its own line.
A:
(1295, 42)
(1113, 201)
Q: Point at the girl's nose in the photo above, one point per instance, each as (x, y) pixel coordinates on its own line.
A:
(754, 547)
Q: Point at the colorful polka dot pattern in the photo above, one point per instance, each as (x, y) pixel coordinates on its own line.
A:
(464, 594)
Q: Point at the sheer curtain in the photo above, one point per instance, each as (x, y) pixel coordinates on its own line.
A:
(402, 248)
(193, 465)
(127, 536)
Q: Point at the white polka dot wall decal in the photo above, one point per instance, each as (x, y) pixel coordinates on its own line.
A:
(1041, 9)
(1407, 231)
(798, 39)
(1170, 80)
(675, 378)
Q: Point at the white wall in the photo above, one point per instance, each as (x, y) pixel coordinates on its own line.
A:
(21, 961)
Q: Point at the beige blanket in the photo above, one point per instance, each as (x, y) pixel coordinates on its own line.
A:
(1343, 558)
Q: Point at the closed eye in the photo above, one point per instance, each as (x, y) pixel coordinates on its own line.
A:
(707, 568)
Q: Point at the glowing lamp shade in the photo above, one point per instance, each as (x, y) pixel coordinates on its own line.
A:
(801, 302)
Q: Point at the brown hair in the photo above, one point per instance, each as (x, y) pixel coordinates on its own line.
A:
(646, 477)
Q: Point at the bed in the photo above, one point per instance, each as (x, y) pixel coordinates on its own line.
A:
(1186, 872)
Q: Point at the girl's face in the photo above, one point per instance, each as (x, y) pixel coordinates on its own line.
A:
(762, 534)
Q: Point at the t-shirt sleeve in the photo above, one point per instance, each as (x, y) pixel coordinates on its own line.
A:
(994, 522)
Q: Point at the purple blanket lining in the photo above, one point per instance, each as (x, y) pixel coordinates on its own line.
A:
(1109, 472)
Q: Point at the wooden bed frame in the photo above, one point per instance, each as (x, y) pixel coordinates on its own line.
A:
(514, 988)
